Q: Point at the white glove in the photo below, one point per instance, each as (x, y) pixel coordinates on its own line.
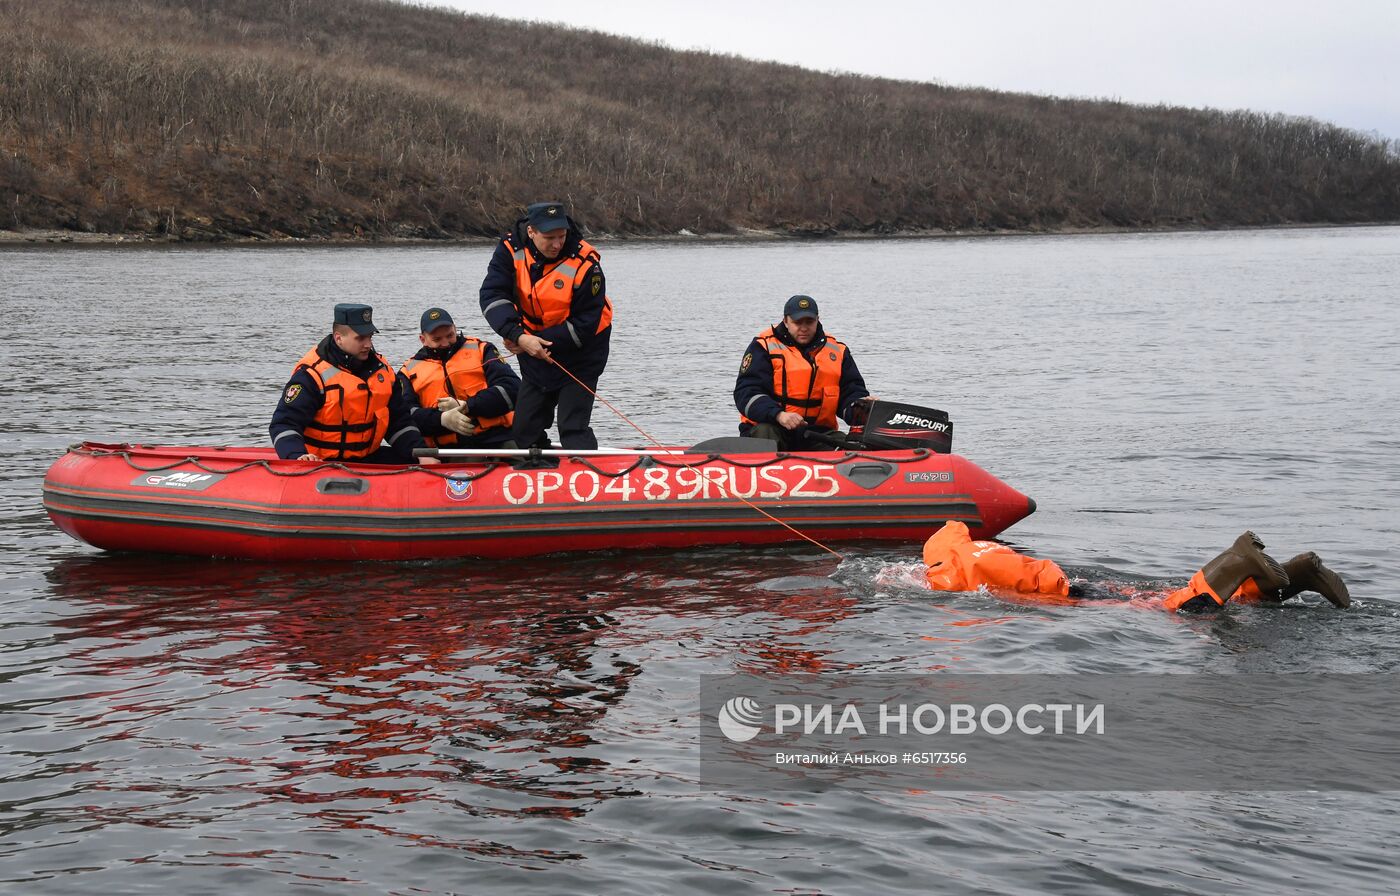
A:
(454, 416)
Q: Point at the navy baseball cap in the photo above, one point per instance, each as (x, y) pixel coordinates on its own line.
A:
(359, 318)
(434, 318)
(799, 307)
(546, 216)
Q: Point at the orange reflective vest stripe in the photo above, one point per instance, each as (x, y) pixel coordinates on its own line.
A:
(354, 418)
(547, 302)
(461, 376)
(810, 387)
(957, 563)
(1248, 590)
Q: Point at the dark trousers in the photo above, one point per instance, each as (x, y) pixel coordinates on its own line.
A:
(793, 440)
(385, 454)
(495, 437)
(534, 412)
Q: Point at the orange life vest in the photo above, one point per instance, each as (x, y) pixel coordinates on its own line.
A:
(546, 303)
(957, 563)
(1248, 590)
(461, 376)
(354, 418)
(810, 387)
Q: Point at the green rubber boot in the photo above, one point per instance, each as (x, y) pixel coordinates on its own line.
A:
(1245, 559)
(1306, 573)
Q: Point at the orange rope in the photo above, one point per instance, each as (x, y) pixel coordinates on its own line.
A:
(657, 443)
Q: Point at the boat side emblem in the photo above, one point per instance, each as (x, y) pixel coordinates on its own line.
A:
(458, 489)
(185, 481)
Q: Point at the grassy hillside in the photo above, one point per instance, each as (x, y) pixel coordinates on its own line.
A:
(205, 119)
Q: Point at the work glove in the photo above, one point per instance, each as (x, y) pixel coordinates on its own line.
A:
(454, 416)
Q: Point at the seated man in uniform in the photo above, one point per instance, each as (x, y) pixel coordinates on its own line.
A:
(341, 402)
(796, 380)
(1243, 571)
(460, 389)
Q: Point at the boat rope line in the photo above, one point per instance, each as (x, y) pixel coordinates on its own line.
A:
(649, 437)
(458, 475)
(916, 454)
(655, 461)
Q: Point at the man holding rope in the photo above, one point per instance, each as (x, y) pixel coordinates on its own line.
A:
(544, 293)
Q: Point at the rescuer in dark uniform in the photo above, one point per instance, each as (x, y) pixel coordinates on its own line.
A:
(544, 293)
(796, 380)
(342, 401)
(461, 391)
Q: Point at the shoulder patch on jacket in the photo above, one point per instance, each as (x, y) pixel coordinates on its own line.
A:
(595, 284)
(748, 359)
(292, 392)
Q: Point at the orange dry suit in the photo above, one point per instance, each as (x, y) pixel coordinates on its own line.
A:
(809, 386)
(354, 418)
(548, 301)
(461, 376)
(957, 563)
(1248, 590)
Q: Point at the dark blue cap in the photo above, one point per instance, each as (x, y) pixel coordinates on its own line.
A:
(799, 307)
(434, 318)
(546, 216)
(359, 318)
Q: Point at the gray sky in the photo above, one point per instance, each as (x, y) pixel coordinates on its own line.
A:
(1336, 61)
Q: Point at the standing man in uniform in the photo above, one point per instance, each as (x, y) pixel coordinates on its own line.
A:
(796, 380)
(545, 295)
(461, 391)
(341, 402)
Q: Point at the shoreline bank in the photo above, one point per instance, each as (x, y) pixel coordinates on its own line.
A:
(79, 239)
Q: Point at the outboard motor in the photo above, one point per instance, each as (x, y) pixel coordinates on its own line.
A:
(890, 425)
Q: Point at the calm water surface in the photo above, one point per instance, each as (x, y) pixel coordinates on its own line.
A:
(178, 725)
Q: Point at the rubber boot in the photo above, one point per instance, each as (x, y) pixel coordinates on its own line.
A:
(1245, 559)
(1306, 573)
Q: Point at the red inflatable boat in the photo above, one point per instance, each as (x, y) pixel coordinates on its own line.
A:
(245, 502)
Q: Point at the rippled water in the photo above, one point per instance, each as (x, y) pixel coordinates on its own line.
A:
(202, 726)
